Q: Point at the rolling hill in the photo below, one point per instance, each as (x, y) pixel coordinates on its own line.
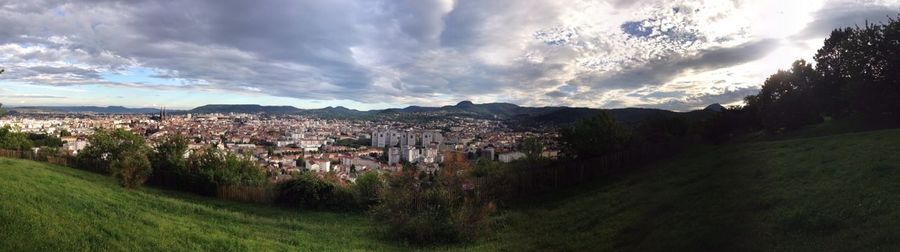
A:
(835, 192)
(51, 208)
(501, 111)
(827, 193)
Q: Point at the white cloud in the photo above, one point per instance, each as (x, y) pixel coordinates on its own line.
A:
(583, 53)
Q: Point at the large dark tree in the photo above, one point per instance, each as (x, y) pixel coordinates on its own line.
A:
(859, 69)
(787, 99)
(168, 160)
(594, 137)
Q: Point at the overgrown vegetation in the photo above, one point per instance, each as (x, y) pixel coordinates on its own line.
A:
(433, 208)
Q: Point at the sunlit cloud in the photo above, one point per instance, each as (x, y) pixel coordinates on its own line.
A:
(369, 54)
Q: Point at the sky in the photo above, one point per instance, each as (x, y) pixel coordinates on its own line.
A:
(372, 54)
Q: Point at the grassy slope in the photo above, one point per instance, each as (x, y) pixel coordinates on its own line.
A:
(839, 192)
(50, 208)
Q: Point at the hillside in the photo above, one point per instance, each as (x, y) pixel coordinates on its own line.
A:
(837, 192)
(831, 193)
(502, 111)
(51, 208)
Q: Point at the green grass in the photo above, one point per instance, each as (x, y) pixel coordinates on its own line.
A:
(50, 208)
(839, 192)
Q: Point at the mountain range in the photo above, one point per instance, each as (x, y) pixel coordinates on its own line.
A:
(500, 111)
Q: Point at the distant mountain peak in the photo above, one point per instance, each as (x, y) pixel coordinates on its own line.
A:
(715, 107)
(465, 104)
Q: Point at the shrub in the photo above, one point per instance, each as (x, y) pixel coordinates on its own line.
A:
(421, 208)
(107, 145)
(308, 191)
(12, 140)
(593, 137)
(366, 189)
(209, 169)
(168, 161)
(131, 168)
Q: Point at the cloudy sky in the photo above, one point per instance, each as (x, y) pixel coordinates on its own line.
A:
(370, 54)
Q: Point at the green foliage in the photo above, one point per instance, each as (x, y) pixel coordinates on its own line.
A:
(106, 145)
(352, 143)
(309, 191)
(663, 129)
(169, 163)
(45, 140)
(533, 148)
(211, 168)
(301, 162)
(132, 168)
(595, 136)
(366, 188)
(14, 140)
(420, 208)
(787, 99)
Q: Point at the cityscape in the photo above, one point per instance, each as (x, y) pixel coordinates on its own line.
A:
(285, 144)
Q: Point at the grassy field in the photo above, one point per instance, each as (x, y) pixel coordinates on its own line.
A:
(833, 193)
(839, 192)
(50, 208)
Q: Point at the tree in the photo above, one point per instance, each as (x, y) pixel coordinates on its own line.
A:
(168, 161)
(596, 136)
(13, 140)
(131, 168)
(219, 168)
(301, 162)
(788, 100)
(366, 188)
(2, 111)
(533, 148)
(858, 66)
(663, 129)
(106, 145)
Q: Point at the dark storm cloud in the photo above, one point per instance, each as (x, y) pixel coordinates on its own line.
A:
(845, 14)
(681, 102)
(663, 71)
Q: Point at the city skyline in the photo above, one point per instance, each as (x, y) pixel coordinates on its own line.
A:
(373, 55)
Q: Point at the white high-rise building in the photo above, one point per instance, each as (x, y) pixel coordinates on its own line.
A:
(393, 155)
(379, 138)
(395, 137)
(409, 154)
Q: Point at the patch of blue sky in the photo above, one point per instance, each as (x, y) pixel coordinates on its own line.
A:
(140, 75)
(636, 29)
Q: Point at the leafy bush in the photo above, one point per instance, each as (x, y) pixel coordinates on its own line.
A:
(366, 188)
(168, 161)
(12, 140)
(309, 191)
(421, 208)
(105, 145)
(596, 136)
(131, 168)
(210, 168)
